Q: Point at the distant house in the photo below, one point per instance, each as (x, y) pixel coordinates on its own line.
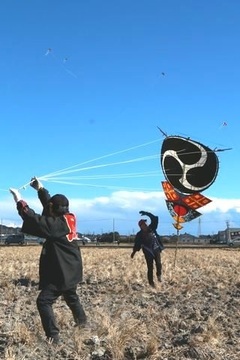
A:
(229, 236)
(222, 238)
(232, 235)
(186, 238)
(203, 239)
(191, 239)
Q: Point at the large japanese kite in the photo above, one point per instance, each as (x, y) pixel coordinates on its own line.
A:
(189, 168)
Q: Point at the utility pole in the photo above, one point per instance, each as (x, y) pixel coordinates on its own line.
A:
(199, 227)
(228, 232)
(113, 230)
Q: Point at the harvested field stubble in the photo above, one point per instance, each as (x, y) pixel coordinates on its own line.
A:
(192, 314)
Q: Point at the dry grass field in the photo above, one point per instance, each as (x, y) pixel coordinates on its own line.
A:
(192, 314)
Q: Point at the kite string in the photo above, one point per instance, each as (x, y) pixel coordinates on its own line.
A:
(50, 52)
(73, 169)
(102, 186)
(101, 157)
(107, 176)
(65, 170)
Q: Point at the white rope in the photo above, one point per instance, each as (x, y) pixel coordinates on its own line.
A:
(106, 176)
(150, 157)
(75, 168)
(98, 158)
(103, 186)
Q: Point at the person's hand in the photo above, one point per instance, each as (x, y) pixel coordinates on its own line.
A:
(16, 195)
(36, 184)
(132, 255)
(142, 212)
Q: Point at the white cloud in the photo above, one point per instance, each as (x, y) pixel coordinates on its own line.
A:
(223, 205)
(120, 212)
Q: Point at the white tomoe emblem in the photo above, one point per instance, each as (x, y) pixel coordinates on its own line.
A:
(183, 180)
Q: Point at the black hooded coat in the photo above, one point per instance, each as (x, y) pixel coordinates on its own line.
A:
(60, 260)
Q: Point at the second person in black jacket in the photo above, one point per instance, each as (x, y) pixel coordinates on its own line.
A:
(148, 240)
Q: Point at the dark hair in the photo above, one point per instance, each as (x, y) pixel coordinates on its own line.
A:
(60, 204)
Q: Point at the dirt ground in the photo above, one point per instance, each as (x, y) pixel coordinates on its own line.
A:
(192, 314)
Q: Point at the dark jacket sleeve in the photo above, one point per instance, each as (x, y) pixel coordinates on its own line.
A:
(154, 221)
(40, 225)
(44, 197)
(137, 242)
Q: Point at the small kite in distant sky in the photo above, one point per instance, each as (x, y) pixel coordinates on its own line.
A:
(48, 51)
(223, 125)
(61, 62)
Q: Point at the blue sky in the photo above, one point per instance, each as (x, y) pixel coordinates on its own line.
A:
(116, 71)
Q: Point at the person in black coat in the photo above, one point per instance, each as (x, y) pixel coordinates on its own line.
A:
(60, 265)
(149, 241)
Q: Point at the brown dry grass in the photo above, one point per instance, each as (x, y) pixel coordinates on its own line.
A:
(192, 314)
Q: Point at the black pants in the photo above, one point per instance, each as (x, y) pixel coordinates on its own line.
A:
(45, 300)
(149, 260)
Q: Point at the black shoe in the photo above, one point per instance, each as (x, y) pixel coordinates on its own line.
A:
(152, 284)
